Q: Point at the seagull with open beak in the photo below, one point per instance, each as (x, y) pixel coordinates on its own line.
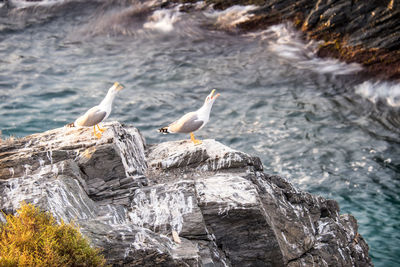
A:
(192, 121)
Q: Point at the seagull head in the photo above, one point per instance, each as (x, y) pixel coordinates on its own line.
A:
(117, 87)
(211, 98)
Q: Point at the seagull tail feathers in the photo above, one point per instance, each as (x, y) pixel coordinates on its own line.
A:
(163, 130)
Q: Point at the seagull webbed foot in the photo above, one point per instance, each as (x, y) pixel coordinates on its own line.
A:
(101, 129)
(197, 142)
(194, 140)
(98, 135)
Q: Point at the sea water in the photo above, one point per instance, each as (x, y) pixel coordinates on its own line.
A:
(311, 120)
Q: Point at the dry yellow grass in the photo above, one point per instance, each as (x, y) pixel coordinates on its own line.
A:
(34, 238)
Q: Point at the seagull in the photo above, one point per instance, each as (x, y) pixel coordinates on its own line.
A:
(192, 121)
(97, 114)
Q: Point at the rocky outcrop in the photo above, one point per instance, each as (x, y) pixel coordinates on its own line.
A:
(173, 203)
(366, 32)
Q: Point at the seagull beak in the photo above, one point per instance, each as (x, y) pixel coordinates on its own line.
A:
(212, 94)
(118, 86)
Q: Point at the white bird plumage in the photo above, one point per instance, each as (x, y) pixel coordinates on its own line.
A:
(98, 113)
(192, 121)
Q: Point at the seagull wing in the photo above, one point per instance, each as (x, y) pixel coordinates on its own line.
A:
(92, 117)
(186, 124)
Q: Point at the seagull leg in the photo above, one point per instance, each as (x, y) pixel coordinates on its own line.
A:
(98, 135)
(100, 129)
(194, 140)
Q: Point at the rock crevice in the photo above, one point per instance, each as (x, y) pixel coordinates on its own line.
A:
(130, 198)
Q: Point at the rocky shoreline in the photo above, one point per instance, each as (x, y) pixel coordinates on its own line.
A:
(173, 203)
(365, 32)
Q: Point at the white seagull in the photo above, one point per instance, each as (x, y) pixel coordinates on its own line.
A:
(97, 114)
(192, 121)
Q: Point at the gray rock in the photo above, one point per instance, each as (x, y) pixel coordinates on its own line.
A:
(366, 32)
(129, 197)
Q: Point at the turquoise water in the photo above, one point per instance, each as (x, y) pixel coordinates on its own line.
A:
(310, 120)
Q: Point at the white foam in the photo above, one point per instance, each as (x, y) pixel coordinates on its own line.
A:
(163, 20)
(287, 43)
(388, 92)
(23, 4)
(232, 16)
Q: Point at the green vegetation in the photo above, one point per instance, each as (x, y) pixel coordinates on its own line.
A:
(34, 238)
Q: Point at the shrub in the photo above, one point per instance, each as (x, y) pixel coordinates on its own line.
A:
(34, 238)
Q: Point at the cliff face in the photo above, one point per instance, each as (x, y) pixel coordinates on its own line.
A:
(175, 204)
(366, 32)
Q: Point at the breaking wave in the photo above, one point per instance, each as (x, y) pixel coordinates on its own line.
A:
(162, 20)
(231, 17)
(288, 45)
(386, 92)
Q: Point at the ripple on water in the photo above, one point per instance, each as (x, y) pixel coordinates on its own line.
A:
(308, 119)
